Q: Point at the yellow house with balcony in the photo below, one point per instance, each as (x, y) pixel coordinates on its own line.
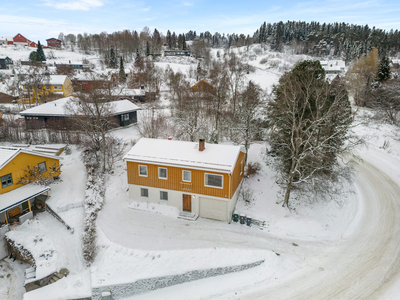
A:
(57, 86)
(20, 172)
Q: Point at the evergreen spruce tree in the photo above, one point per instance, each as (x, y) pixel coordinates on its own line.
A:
(113, 60)
(383, 70)
(183, 43)
(39, 53)
(122, 75)
(147, 48)
(169, 39)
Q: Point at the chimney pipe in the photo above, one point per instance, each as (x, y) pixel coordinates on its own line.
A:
(201, 145)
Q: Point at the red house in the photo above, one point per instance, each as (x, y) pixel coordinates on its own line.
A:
(19, 39)
(53, 43)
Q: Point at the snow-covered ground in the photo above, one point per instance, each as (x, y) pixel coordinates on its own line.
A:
(343, 249)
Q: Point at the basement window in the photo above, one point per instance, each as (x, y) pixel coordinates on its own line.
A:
(163, 195)
(144, 193)
(6, 180)
(213, 180)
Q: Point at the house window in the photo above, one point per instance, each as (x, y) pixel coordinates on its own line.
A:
(186, 175)
(163, 195)
(125, 117)
(213, 180)
(42, 167)
(142, 170)
(144, 193)
(6, 180)
(162, 173)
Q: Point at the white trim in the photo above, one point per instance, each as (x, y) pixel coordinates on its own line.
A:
(166, 173)
(183, 177)
(216, 187)
(146, 171)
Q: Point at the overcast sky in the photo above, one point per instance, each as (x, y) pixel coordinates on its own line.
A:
(42, 19)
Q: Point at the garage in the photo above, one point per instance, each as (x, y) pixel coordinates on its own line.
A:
(213, 209)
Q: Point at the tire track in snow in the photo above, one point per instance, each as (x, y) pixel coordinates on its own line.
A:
(363, 265)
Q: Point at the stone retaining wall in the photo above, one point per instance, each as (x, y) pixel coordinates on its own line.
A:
(150, 284)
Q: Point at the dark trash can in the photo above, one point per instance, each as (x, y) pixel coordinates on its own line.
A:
(248, 221)
(242, 219)
(235, 217)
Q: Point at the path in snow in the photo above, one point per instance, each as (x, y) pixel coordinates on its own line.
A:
(363, 265)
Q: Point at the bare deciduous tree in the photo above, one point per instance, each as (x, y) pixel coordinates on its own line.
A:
(310, 119)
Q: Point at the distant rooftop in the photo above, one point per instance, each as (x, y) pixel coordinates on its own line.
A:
(58, 107)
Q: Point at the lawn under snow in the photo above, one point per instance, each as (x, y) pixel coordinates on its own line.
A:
(135, 244)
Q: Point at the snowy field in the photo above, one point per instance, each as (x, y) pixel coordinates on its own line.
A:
(347, 248)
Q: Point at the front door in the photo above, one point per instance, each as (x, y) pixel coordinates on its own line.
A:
(187, 202)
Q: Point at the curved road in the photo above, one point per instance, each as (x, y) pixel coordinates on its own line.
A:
(364, 265)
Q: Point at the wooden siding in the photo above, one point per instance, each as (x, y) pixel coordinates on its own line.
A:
(19, 165)
(236, 176)
(174, 180)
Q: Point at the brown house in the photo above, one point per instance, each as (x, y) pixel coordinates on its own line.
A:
(202, 86)
(195, 178)
(5, 98)
(53, 43)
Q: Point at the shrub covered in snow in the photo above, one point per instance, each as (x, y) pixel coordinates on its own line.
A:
(94, 199)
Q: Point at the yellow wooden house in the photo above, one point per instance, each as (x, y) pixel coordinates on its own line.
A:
(196, 178)
(18, 185)
(58, 86)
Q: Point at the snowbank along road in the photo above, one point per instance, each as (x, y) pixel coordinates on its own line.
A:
(362, 265)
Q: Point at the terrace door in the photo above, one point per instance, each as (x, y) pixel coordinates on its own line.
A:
(187, 202)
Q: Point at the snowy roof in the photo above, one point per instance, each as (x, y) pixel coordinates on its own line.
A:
(57, 79)
(8, 153)
(215, 157)
(57, 107)
(128, 92)
(20, 195)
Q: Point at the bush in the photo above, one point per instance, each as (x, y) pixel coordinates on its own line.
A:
(264, 60)
(252, 168)
(247, 194)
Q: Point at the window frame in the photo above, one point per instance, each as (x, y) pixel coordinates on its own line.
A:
(146, 170)
(183, 176)
(142, 190)
(124, 117)
(166, 173)
(7, 179)
(45, 167)
(163, 193)
(212, 186)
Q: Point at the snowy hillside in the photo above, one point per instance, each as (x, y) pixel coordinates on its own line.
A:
(315, 251)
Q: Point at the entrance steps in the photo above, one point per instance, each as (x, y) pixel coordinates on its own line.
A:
(188, 216)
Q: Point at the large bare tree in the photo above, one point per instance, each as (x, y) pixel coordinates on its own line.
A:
(309, 120)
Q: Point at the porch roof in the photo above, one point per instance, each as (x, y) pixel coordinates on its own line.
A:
(20, 195)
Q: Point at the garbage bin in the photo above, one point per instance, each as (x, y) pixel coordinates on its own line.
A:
(248, 221)
(242, 219)
(235, 217)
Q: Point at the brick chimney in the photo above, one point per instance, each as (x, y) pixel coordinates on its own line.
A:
(202, 144)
